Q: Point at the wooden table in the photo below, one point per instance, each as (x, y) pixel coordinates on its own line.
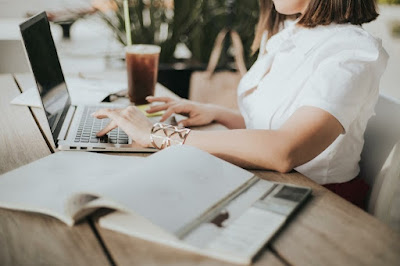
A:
(327, 231)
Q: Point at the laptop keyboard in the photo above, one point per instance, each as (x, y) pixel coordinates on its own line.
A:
(89, 126)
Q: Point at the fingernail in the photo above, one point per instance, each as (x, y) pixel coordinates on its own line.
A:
(149, 97)
(180, 125)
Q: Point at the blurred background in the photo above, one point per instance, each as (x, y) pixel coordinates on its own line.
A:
(90, 34)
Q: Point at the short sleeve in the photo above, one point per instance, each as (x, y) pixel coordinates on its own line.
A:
(346, 72)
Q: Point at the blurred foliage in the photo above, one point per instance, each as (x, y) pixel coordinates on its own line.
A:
(396, 29)
(218, 14)
(393, 2)
(193, 22)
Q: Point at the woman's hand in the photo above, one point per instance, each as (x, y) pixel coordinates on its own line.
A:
(131, 120)
(198, 113)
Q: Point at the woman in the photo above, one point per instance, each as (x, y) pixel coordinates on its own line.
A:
(304, 104)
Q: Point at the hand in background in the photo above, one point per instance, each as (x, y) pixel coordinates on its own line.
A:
(198, 113)
(131, 120)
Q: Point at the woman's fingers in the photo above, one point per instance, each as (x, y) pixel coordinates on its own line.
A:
(192, 121)
(157, 108)
(174, 109)
(107, 129)
(152, 99)
(131, 120)
(104, 113)
(161, 107)
(168, 113)
(98, 116)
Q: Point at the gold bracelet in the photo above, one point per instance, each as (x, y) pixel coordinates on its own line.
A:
(168, 134)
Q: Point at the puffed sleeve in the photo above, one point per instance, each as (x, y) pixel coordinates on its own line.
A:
(345, 75)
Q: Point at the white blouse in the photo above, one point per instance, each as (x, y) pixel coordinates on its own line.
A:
(336, 68)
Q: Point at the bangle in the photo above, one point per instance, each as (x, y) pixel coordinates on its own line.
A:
(168, 134)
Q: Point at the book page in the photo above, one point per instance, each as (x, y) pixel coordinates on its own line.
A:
(170, 188)
(175, 186)
(201, 237)
(48, 184)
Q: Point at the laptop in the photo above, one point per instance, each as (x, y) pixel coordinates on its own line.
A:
(71, 126)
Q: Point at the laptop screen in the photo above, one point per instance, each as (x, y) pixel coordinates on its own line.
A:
(42, 54)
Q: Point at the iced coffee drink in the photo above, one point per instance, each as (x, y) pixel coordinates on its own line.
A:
(142, 68)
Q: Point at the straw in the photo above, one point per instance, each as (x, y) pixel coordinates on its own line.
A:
(127, 23)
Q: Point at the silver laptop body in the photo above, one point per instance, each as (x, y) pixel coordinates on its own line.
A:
(71, 126)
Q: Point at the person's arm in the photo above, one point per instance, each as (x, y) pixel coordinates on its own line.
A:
(198, 113)
(232, 119)
(307, 133)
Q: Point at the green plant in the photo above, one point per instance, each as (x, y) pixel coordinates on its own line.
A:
(394, 2)
(153, 22)
(396, 29)
(193, 22)
(216, 15)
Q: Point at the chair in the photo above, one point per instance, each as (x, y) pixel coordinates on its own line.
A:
(380, 161)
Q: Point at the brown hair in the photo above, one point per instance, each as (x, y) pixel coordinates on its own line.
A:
(318, 12)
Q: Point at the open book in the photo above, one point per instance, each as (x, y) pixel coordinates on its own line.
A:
(181, 196)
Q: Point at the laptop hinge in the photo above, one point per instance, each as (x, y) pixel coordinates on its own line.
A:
(67, 123)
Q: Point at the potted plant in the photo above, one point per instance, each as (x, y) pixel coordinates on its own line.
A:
(191, 24)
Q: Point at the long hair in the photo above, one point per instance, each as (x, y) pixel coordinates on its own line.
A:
(318, 12)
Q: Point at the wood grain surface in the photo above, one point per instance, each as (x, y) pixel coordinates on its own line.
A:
(34, 239)
(328, 230)
(127, 250)
(30, 238)
(20, 139)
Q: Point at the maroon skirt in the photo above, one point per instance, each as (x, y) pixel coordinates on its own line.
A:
(355, 191)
